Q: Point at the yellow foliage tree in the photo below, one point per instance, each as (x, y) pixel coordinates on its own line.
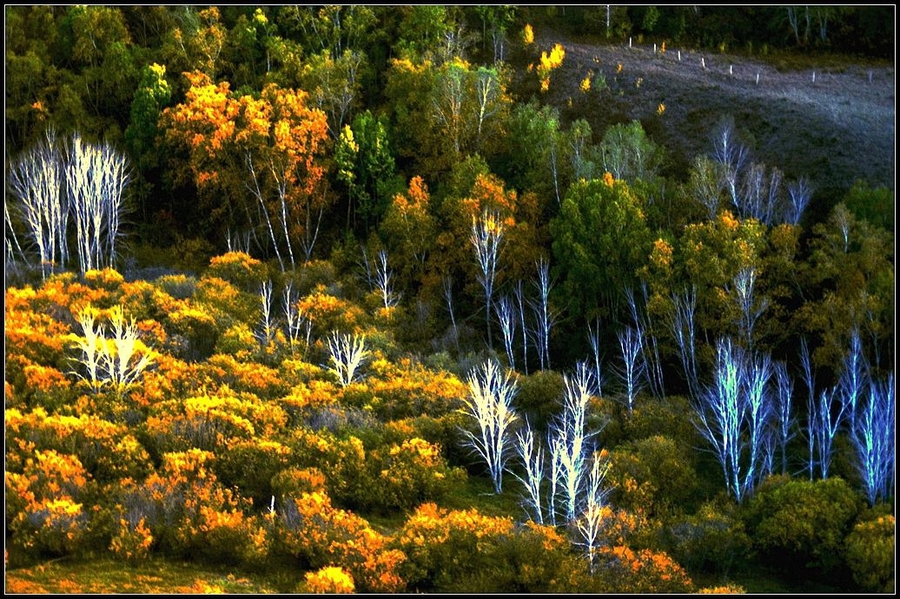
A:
(548, 63)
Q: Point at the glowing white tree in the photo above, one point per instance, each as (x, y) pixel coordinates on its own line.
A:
(569, 439)
(735, 414)
(873, 440)
(633, 370)
(35, 179)
(520, 302)
(489, 403)
(594, 340)
(751, 309)
(383, 281)
(486, 237)
(508, 318)
(589, 523)
(531, 455)
(117, 361)
(545, 316)
(347, 354)
(799, 192)
(786, 420)
(854, 377)
(267, 329)
(295, 321)
(96, 178)
(684, 332)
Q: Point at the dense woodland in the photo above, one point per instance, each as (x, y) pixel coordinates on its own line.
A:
(337, 295)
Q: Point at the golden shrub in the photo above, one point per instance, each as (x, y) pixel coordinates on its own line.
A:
(330, 579)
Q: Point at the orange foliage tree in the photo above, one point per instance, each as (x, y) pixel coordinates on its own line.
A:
(269, 148)
(410, 227)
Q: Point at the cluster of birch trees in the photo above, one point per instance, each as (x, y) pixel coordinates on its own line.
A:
(66, 191)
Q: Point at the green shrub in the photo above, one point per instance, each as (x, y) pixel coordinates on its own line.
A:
(874, 205)
(654, 474)
(239, 269)
(250, 466)
(312, 274)
(410, 473)
(294, 482)
(178, 286)
(801, 523)
(227, 303)
(193, 334)
(670, 417)
(313, 532)
(445, 547)
(620, 569)
(107, 280)
(712, 540)
(108, 451)
(238, 341)
(533, 559)
(870, 549)
(444, 430)
(343, 461)
(47, 506)
(540, 397)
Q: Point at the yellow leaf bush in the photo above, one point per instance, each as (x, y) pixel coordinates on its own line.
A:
(240, 269)
(211, 421)
(45, 510)
(411, 473)
(442, 543)
(625, 570)
(320, 535)
(108, 451)
(190, 513)
(330, 579)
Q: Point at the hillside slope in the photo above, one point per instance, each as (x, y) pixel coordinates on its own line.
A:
(834, 127)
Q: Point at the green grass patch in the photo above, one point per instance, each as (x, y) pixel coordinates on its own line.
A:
(158, 576)
(476, 493)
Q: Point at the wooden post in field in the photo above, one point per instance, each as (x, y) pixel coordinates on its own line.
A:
(629, 42)
(702, 63)
(757, 78)
(679, 56)
(731, 69)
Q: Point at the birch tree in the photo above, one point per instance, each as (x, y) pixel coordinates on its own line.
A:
(735, 415)
(589, 524)
(633, 370)
(531, 456)
(96, 178)
(384, 281)
(486, 237)
(347, 353)
(545, 315)
(873, 438)
(508, 319)
(569, 440)
(489, 403)
(36, 180)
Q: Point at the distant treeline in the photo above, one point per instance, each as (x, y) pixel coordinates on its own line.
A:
(860, 30)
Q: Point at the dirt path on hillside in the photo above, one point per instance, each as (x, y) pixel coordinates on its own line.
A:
(830, 126)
